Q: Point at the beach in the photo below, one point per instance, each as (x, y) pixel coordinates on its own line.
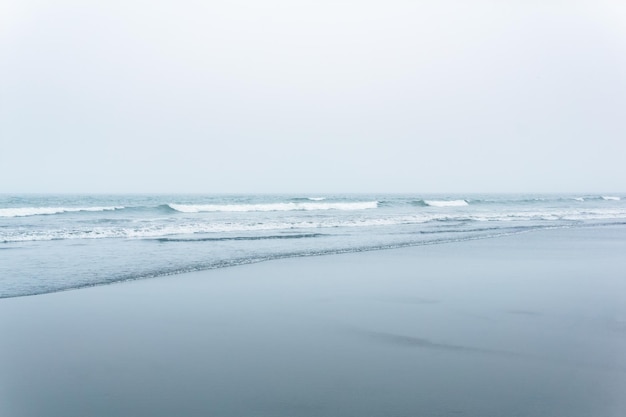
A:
(531, 324)
(312, 209)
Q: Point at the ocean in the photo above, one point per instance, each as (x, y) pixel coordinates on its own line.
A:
(52, 243)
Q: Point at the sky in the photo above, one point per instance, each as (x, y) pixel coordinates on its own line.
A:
(312, 96)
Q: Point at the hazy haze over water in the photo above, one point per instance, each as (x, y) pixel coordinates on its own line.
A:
(321, 96)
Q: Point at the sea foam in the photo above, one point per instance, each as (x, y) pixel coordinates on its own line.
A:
(199, 208)
(36, 211)
(446, 203)
(610, 198)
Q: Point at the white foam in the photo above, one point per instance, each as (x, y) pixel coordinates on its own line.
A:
(35, 211)
(190, 228)
(197, 208)
(610, 198)
(317, 198)
(294, 223)
(579, 199)
(156, 231)
(446, 203)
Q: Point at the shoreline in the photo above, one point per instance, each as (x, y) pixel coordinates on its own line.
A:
(356, 250)
(529, 324)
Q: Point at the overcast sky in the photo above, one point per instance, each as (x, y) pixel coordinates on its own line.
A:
(312, 96)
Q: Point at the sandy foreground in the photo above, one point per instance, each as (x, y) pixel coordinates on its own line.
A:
(525, 325)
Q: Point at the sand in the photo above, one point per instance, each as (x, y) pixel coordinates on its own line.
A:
(526, 325)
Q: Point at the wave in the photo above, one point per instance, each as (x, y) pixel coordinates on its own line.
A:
(307, 199)
(156, 231)
(39, 211)
(200, 208)
(446, 203)
(222, 239)
(168, 225)
(598, 198)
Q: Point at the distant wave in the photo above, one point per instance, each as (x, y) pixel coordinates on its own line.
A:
(198, 208)
(38, 211)
(446, 203)
(600, 198)
(579, 199)
(308, 199)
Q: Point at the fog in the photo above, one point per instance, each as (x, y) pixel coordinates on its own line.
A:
(312, 96)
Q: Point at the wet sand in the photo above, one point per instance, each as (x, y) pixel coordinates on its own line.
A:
(526, 325)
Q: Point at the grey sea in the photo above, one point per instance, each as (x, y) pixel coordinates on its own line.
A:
(58, 242)
(313, 305)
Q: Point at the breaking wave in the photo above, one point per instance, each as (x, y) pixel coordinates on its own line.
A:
(201, 208)
(446, 203)
(191, 230)
(38, 211)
